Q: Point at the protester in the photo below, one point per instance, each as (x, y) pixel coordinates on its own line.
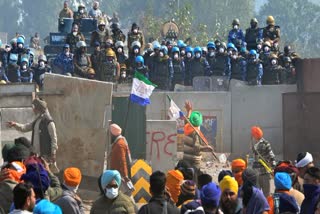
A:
(281, 201)
(311, 187)
(159, 203)
(237, 167)
(120, 159)
(210, 196)
(23, 198)
(44, 136)
(173, 181)
(66, 12)
(187, 192)
(303, 162)
(112, 200)
(46, 207)
(70, 202)
(229, 202)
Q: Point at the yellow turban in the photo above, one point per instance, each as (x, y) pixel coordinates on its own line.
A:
(229, 183)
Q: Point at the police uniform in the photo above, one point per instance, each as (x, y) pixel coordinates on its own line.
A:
(178, 72)
(272, 75)
(262, 150)
(135, 37)
(238, 68)
(162, 72)
(99, 36)
(110, 70)
(73, 40)
(253, 72)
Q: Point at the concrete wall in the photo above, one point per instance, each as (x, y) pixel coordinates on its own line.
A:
(80, 115)
(217, 104)
(161, 145)
(257, 105)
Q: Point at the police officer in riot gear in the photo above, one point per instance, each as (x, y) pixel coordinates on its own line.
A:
(74, 37)
(254, 69)
(253, 34)
(222, 64)
(39, 71)
(162, 70)
(82, 62)
(289, 74)
(25, 73)
(100, 35)
(188, 65)
(140, 67)
(117, 34)
(211, 54)
(271, 32)
(264, 56)
(110, 68)
(178, 67)
(272, 74)
(238, 64)
(80, 14)
(236, 35)
(200, 65)
(287, 52)
(136, 51)
(135, 35)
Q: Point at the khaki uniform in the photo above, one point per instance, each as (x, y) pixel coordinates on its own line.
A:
(66, 13)
(135, 37)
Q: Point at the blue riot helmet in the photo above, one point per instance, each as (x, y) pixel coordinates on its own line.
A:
(180, 43)
(13, 59)
(20, 40)
(211, 45)
(197, 51)
(139, 59)
(230, 45)
(253, 54)
(175, 49)
(156, 45)
(164, 49)
(189, 49)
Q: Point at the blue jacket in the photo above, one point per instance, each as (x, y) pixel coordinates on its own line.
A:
(236, 36)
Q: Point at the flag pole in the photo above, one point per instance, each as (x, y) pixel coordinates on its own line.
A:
(198, 133)
(127, 116)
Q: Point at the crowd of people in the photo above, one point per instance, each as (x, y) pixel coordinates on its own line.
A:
(28, 185)
(252, 55)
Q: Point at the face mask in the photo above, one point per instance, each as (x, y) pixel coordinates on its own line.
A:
(183, 52)
(230, 52)
(273, 62)
(24, 67)
(20, 46)
(259, 47)
(221, 50)
(111, 193)
(266, 49)
(81, 11)
(8, 49)
(123, 75)
(189, 55)
(136, 51)
(198, 55)
(135, 31)
(74, 33)
(176, 56)
(234, 56)
(211, 54)
(161, 54)
(119, 50)
(236, 27)
(41, 64)
(275, 45)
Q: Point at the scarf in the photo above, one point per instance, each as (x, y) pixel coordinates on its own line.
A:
(312, 194)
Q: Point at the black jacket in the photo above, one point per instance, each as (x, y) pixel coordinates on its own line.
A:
(156, 205)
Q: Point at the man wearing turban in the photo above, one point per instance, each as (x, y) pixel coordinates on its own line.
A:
(112, 200)
(193, 140)
(229, 202)
(262, 151)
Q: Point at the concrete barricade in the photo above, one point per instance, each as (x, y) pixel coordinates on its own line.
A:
(80, 114)
(161, 144)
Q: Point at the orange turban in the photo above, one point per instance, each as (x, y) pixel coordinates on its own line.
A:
(238, 163)
(256, 132)
(14, 171)
(174, 180)
(72, 176)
